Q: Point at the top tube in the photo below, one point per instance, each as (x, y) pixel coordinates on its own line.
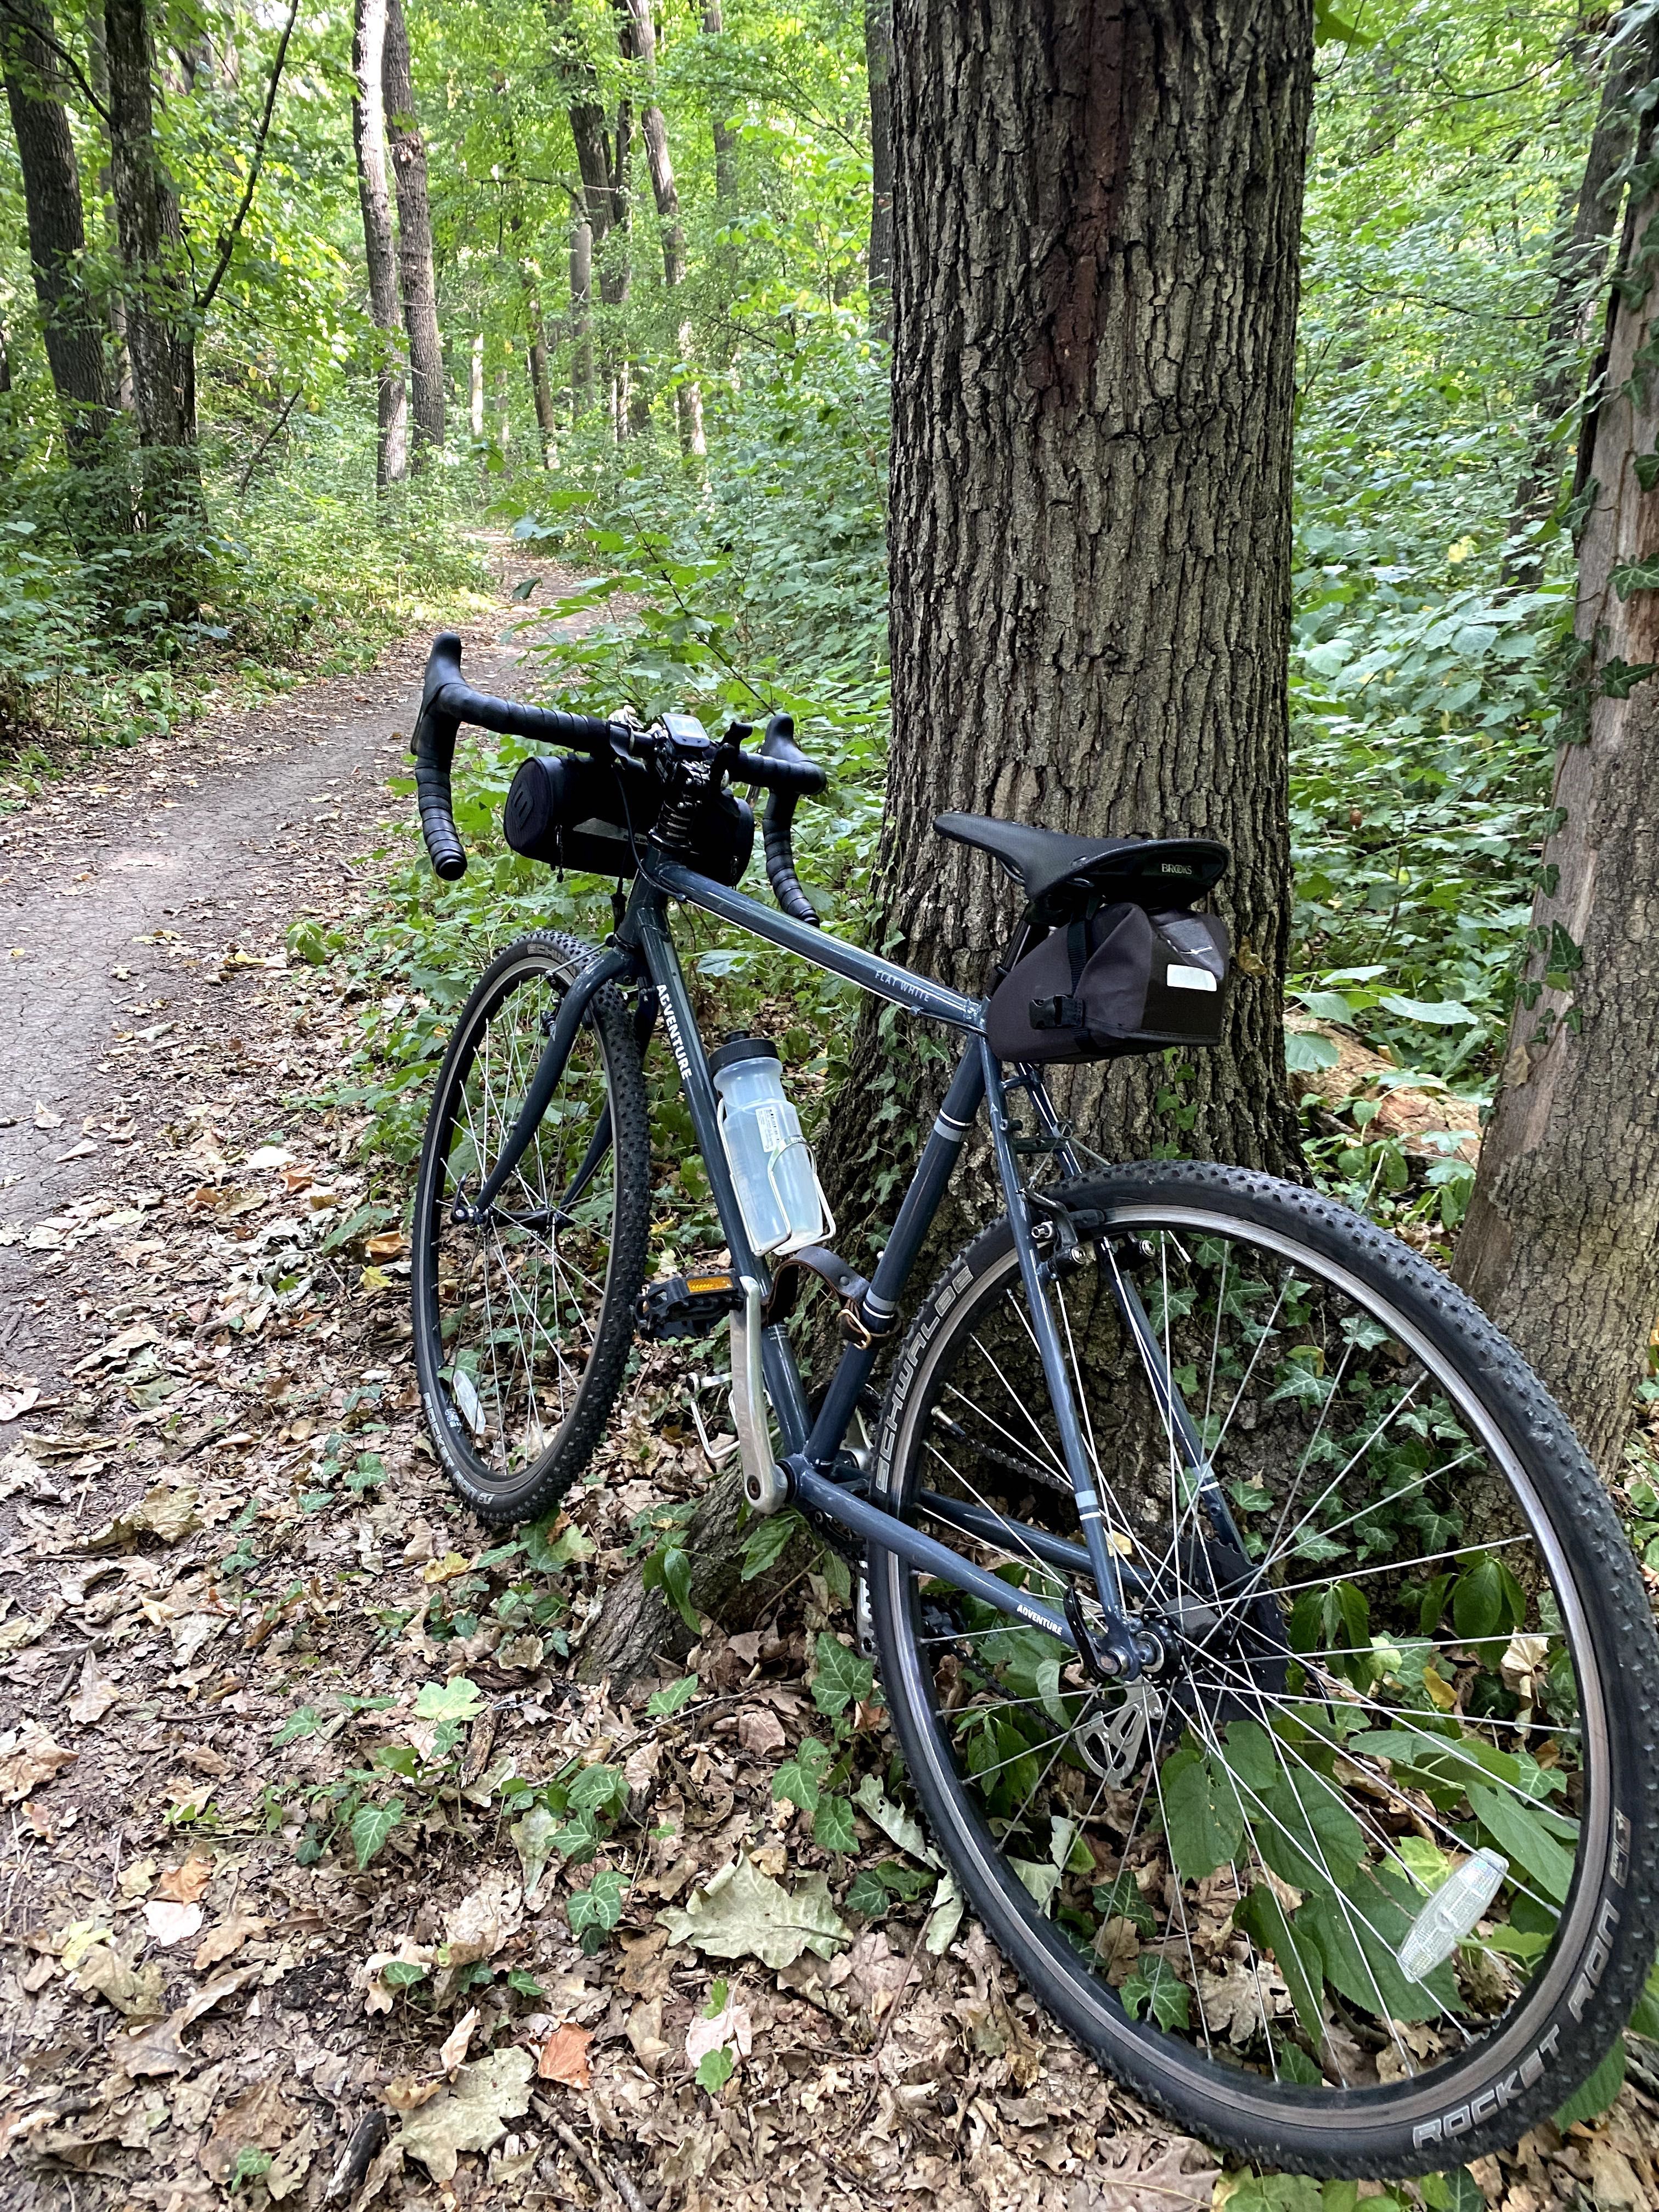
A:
(901, 986)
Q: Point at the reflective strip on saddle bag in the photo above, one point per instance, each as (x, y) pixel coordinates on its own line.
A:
(1113, 980)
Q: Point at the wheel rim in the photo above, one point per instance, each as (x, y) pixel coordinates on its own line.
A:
(1244, 1753)
(513, 1305)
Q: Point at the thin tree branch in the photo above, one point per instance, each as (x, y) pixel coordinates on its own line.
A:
(61, 53)
(228, 240)
(268, 441)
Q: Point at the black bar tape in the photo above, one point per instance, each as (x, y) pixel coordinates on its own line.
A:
(780, 752)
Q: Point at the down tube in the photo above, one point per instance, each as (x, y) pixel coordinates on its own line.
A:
(783, 1382)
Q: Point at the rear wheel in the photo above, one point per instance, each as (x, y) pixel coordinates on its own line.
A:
(523, 1323)
(1407, 1679)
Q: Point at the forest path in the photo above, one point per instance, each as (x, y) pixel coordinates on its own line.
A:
(135, 897)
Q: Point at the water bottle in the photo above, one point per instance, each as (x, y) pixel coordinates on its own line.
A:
(771, 1162)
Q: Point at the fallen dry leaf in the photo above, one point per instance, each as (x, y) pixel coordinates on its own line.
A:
(731, 2028)
(94, 1694)
(743, 1912)
(169, 1924)
(453, 2048)
(469, 2115)
(104, 1973)
(1134, 2171)
(184, 1883)
(45, 1118)
(15, 1403)
(645, 2034)
(407, 2093)
(564, 2056)
(31, 1758)
(760, 1730)
(226, 1939)
(260, 2119)
(388, 1245)
(291, 2164)
(483, 1921)
(162, 1511)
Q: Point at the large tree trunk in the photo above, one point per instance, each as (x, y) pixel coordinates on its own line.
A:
(419, 283)
(70, 322)
(160, 336)
(879, 70)
(687, 399)
(1095, 282)
(724, 137)
(1585, 236)
(1561, 1244)
(368, 136)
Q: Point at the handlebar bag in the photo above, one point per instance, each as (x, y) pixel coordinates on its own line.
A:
(569, 811)
(1113, 981)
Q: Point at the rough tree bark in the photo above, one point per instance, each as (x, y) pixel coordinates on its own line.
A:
(416, 274)
(879, 71)
(475, 388)
(1561, 1243)
(688, 398)
(368, 138)
(1587, 230)
(160, 330)
(1096, 287)
(724, 137)
(638, 1626)
(70, 323)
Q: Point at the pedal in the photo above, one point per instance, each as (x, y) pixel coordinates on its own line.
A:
(687, 1306)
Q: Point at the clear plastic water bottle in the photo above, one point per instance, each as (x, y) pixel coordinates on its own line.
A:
(1450, 1913)
(771, 1162)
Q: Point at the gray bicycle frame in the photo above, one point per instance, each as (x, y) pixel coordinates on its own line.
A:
(817, 1474)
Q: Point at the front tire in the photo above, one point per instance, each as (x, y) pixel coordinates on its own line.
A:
(1347, 1711)
(523, 1326)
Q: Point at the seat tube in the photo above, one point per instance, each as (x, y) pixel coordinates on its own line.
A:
(1119, 1636)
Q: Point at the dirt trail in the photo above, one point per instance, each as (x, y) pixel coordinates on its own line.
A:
(137, 899)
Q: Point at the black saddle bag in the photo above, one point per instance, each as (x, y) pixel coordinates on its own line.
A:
(1113, 980)
(573, 812)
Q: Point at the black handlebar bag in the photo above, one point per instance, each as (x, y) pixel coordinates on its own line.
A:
(1113, 980)
(575, 813)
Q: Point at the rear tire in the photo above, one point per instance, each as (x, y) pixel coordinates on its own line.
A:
(1522, 2020)
(523, 1327)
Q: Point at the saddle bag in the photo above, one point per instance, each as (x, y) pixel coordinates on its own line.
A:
(573, 812)
(1113, 980)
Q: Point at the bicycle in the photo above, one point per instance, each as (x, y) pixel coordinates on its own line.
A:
(1266, 1658)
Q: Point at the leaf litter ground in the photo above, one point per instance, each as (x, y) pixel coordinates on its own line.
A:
(326, 1881)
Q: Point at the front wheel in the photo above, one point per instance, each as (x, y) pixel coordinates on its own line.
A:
(523, 1323)
(1359, 1877)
